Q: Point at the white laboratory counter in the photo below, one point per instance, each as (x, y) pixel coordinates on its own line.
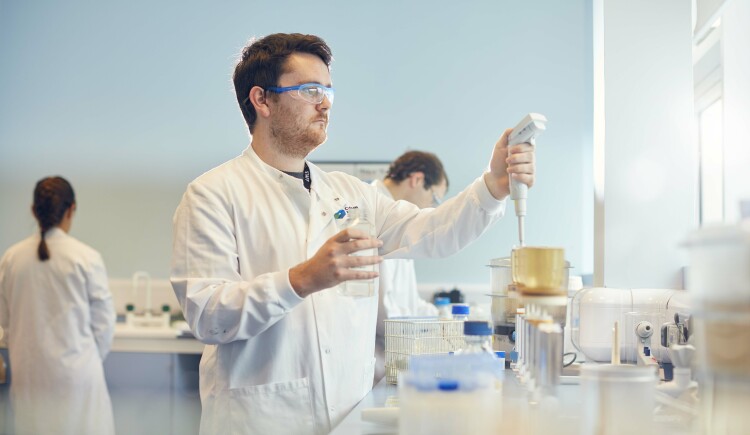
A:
(518, 415)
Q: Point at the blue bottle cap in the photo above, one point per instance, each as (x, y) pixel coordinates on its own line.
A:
(477, 327)
(447, 385)
(460, 309)
(440, 301)
(500, 354)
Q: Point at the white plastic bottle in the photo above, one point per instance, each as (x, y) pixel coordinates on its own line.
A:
(357, 218)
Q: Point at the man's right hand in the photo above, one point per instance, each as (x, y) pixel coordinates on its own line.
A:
(332, 264)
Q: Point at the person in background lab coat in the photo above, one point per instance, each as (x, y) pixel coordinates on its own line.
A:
(57, 314)
(417, 177)
(257, 253)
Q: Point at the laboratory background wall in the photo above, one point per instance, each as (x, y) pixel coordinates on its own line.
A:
(131, 100)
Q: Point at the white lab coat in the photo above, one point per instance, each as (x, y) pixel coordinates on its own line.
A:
(59, 321)
(275, 362)
(398, 296)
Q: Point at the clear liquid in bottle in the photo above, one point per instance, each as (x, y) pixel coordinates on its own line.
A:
(357, 218)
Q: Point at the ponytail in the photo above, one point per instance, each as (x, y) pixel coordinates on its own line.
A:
(53, 196)
(42, 251)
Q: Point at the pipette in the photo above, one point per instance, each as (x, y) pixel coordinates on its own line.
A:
(526, 131)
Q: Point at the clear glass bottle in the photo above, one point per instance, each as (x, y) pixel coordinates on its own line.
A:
(478, 335)
(443, 305)
(460, 312)
(357, 218)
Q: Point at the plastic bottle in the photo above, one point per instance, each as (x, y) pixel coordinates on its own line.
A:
(443, 305)
(357, 218)
(460, 312)
(501, 357)
(478, 335)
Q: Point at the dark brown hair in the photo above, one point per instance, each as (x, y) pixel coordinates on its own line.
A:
(418, 161)
(53, 196)
(262, 63)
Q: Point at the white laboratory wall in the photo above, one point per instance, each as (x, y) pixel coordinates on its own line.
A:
(736, 96)
(645, 139)
(130, 100)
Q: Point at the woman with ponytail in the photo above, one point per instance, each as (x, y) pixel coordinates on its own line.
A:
(57, 314)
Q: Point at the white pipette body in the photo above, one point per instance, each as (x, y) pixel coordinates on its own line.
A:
(526, 131)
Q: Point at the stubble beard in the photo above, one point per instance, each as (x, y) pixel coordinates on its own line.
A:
(294, 137)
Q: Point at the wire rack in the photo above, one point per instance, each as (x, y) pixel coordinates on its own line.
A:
(407, 337)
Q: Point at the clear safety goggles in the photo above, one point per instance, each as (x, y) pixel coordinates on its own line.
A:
(311, 92)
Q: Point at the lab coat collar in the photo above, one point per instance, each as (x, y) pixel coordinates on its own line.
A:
(259, 164)
(319, 187)
(54, 233)
(382, 188)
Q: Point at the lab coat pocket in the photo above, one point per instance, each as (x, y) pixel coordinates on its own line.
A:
(280, 407)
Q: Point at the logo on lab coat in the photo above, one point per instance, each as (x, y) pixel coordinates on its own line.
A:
(341, 213)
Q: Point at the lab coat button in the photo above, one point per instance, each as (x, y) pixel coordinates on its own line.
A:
(324, 213)
(327, 350)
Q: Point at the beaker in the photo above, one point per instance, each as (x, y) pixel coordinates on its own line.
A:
(540, 270)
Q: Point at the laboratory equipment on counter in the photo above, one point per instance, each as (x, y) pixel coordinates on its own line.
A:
(505, 292)
(682, 382)
(540, 281)
(357, 219)
(678, 400)
(460, 312)
(575, 283)
(503, 306)
(408, 336)
(450, 394)
(644, 330)
(478, 336)
(719, 283)
(443, 305)
(147, 318)
(617, 399)
(540, 270)
(531, 126)
(595, 310)
(549, 357)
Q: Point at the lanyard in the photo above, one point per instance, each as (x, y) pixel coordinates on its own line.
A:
(306, 177)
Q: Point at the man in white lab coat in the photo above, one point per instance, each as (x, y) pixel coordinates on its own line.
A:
(257, 253)
(417, 177)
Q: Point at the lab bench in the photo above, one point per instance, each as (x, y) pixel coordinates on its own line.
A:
(514, 397)
(516, 414)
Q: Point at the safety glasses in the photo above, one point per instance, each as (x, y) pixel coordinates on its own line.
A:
(311, 92)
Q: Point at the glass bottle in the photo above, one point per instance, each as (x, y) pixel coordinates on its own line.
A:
(478, 335)
(460, 312)
(357, 218)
